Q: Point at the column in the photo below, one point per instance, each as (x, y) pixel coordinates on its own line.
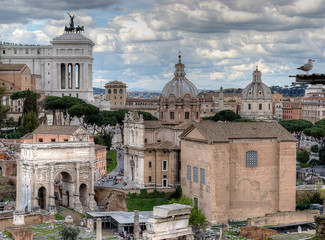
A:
(58, 78)
(35, 206)
(73, 78)
(66, 76)
(92, 203)
(76, 203)
(99, 229)
(19, 213)
(51, 199)
(136, 225)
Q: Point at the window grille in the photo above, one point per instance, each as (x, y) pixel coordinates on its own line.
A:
(195, 174)
(202, 175)
(189, 177)
(251, 159)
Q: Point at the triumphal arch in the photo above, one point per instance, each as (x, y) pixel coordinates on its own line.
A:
(58, 172)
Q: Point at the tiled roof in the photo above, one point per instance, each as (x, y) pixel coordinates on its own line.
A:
(98, 146)
(224, 131)
(152, 124)
(56, 129)
(11, 67)
(162, 145)
(183, 125)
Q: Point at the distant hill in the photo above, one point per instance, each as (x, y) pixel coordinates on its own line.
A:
(97, 91)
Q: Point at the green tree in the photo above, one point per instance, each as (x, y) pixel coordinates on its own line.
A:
(226, 115)
(296, 126)
(69, 233)
(29, 98)
(87, 113)
(303, 156)
(147, 116)
(3, 109)
(30, 122)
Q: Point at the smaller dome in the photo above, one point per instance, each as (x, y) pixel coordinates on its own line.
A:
(257, 89)
(179, 85)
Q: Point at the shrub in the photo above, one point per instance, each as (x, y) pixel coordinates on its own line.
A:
(69, 233)
(302, 156)
(314, 148)
(178, 193)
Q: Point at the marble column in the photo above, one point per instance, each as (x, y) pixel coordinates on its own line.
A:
(19, 212)
(92, 203)
(73, 84)
(66, 76)
(76, 203)
(51, 199)
(35, 206)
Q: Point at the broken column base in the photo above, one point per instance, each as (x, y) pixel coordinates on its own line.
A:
(52, 209)
(93, 206)
(78, 207)
(19, 218)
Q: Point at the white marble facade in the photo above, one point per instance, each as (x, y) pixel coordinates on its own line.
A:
(65, 66)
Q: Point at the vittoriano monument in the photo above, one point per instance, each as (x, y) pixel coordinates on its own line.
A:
(71, 27)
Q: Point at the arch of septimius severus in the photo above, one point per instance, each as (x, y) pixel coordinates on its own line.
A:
(38, 169)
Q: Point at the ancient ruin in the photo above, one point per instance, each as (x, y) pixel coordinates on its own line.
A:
(50, 173)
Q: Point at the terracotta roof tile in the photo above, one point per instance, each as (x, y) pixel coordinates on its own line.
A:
(12, 67)
(162, 145)
(56, 129)
(224, 131)
(152, 124)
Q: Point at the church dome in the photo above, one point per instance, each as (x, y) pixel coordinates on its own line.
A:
(179, 85)
(257, 89)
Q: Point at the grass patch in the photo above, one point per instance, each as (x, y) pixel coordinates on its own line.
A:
(44, 229)
(144, 204)
(8, 234)
(58, 217)
(113, 163)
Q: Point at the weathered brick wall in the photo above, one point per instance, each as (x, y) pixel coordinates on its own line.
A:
(7, 222)
(256, 233)
(21, 233)
(281, 218)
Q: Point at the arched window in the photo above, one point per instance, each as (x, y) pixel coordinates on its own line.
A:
(260, 106)
(251, 159)
(249, 106)
(115, 91)
(109, 91)
(121, 91)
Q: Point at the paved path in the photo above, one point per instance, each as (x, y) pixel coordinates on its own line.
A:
(77, 218)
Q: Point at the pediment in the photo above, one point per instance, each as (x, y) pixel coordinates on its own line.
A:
(195, 134)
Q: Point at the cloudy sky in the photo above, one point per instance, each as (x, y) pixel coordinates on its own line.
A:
(221, 41)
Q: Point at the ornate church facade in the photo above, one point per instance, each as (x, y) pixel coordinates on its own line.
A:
(65, 66)
(152, 148)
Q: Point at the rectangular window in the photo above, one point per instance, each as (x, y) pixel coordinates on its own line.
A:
(52, 139)
(260, 106)
(66, 140)
(164, 165)
(40, 139)
(149, 179)
(171, 115)
(202, 175)
(195, 174)
(149, 164)
(187, 115)
(251, 159)
(189, 170)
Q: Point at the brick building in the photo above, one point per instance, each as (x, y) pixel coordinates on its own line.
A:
(238, 170)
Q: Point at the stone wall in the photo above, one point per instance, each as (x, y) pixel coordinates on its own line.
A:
(320, 227)
(281, 218)
(7, 222)
(256, 233)
(21, 233)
